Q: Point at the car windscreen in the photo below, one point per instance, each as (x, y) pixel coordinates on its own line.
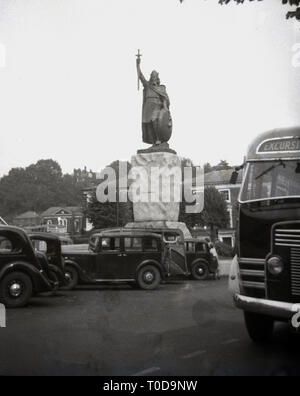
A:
(271, 179)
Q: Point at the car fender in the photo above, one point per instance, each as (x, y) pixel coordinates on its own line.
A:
(37, 276)
(201, 260)
(234, 283)
(58, 272)
(19, 266)
(154, 263)
(73, 263)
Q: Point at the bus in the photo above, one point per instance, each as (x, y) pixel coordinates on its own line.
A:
(265, 273)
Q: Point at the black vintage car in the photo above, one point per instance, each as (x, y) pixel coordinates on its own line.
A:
(50, 245)
(136, 257)
(201, 262)
(22, 271)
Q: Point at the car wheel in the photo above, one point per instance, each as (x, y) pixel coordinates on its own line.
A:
(148, 277)
(259, 327)
(200, 271)
(15, 290)
(71, 275)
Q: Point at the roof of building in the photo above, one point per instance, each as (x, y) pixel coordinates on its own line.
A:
(55, 210)
(221, 177)
(27, 215)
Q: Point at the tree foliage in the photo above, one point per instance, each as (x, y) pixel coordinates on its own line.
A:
(222, 165)
(291, 14)
(37, 187)
(109, 214)
(213, 216)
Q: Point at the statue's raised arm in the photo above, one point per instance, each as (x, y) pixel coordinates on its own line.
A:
(139, 72)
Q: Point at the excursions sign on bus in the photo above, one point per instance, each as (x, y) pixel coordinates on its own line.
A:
(287, 144)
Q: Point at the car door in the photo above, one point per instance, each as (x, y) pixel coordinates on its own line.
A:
(133, 255)
(176, 256)
(110, 259)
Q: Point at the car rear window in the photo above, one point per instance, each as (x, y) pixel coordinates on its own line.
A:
(190, 247)
(39, 245)
(9, 246)
(133, 244)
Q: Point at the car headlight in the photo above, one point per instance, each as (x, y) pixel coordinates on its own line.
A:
(275, 265)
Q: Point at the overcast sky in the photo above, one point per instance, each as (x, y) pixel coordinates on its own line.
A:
(68, 86)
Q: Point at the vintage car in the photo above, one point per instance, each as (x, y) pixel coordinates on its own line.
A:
(135, 257)
(188, 256)
(201, 262)
(50, 245)
(22, 270)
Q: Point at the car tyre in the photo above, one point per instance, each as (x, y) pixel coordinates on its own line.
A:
(72, 277)
(15, 290)
(148, 277)
(200, 271)
(260, 327)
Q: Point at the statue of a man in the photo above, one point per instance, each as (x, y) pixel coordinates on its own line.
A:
(156, 118)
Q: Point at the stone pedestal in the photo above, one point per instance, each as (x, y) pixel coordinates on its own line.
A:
(153, 207)
(149, 214)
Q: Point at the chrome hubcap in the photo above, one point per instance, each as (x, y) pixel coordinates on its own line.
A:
(68, 276)
(148, 276)
(200, 271)
(15, 289)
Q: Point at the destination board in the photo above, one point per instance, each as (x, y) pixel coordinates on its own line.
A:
(282, 145)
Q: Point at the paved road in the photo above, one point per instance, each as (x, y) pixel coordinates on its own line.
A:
(183, 328)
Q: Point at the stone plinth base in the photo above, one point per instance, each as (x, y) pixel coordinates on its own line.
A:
(152, 225)
(153, 189)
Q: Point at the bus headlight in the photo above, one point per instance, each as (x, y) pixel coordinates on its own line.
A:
(275, 265)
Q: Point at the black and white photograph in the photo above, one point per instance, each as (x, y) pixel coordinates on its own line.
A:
(149, 191)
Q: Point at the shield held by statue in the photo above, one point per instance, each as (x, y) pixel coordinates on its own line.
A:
(164, 125)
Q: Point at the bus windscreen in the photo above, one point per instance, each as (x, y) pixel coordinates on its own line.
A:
(271, 180)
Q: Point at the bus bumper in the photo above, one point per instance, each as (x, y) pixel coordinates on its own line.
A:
(276, 309)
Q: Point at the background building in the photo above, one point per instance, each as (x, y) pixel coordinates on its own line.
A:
(220, 179)
(27, 219)
(64, 220)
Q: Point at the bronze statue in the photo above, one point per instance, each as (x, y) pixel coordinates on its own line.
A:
(156, 118)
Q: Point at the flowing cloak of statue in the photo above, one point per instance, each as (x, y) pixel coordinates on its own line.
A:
(154, 96)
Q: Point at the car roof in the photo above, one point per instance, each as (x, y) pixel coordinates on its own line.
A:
(17, 230)
(126, 232)
(141, 230)
(20, 233)
(44, 235)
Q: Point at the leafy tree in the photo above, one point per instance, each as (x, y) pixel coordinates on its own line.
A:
(207, 167)
(214, 214)
(37, 187)
(103, 215)
(109, 214)
(291, 14)
(223, 165)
